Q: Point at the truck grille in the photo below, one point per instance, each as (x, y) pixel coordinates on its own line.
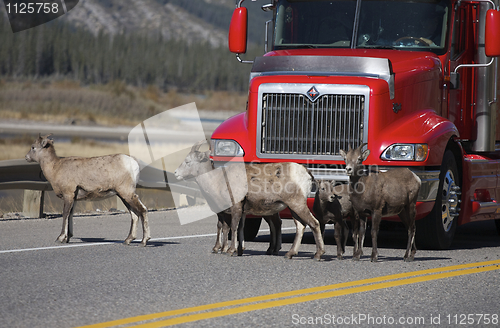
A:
(293, 124)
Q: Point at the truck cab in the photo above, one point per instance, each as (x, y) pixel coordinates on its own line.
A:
(414, 80)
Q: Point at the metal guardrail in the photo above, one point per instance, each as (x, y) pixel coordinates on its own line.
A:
(19, 174)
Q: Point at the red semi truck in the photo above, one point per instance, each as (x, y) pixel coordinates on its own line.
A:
(414, 79)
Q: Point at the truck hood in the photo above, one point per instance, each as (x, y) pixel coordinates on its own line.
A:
(407, 67)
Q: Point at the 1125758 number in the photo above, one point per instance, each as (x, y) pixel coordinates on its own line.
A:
(32, 8)
(472, 319)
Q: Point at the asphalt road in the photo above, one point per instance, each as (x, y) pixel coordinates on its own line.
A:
(96, 280)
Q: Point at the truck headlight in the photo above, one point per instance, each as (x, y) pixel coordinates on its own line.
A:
(406, 152)
(226, 148)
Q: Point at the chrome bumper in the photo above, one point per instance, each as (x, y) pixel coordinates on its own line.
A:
(429, 179)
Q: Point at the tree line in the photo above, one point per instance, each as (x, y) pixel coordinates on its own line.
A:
(61, 50)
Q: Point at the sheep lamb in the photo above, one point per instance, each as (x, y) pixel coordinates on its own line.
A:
(380, 194)
(82, 178)
(333, 205)
(259, 189)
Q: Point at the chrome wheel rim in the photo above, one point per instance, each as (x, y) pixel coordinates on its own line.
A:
(449, 201)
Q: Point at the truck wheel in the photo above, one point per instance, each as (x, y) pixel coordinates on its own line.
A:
(436, 231)
(252, 226)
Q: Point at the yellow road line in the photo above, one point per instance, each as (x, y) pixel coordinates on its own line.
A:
(302, 295)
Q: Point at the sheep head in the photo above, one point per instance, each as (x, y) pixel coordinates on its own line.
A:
(325, 190)
(195, 163)
(38, 146)
(354, 159)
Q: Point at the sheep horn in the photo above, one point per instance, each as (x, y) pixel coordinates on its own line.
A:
(197, 145)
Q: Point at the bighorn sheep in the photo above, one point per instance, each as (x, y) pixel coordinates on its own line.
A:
(380, 194)
(332, 205)
(80, 178)
(258, 189)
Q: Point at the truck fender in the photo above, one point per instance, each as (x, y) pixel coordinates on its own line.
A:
(421, 127)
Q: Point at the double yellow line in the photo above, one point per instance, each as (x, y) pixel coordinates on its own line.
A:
(221, 309)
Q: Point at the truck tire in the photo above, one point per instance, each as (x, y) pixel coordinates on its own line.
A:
(436, 231)
(252, 226)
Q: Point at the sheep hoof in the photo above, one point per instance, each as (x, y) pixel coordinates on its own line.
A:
(409, 259)
(62, 239)
(374, 258)
(340, 257)
(356, 256)
(144, 241)
(271, 251)
(289, 255)
(317, 256)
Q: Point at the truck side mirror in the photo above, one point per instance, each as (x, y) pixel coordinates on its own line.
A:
(238, 31)
(492, 33)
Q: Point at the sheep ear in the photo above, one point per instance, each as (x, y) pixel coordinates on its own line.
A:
(203, 157)
(365, 154)
(342, 153)
(47, 142)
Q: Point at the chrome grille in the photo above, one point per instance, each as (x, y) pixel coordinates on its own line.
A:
(293, 124)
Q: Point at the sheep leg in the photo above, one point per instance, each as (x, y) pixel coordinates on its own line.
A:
(70, 222)
(407, 216)
(241, 235)
(133, 225)
(146, 234)
(340, 237)
(218, 244)
(345, 234)
(322, 227)
(376, 218)
(299, 232)
(274, 222)
(355, 236)
(137, 210)
(67, 212)
(306, 216)
(358, 235)
(132, 235)
(225, 232)
(236, 212)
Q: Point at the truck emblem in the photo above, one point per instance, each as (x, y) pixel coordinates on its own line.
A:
(313, 94)
(396, 107)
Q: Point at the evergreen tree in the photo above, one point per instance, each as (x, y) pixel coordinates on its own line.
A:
(57, 49)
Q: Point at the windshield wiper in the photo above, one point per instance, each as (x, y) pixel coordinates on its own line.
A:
(297, 46)
(375, 46)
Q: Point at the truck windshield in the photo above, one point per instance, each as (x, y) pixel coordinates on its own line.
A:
(410, 25)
